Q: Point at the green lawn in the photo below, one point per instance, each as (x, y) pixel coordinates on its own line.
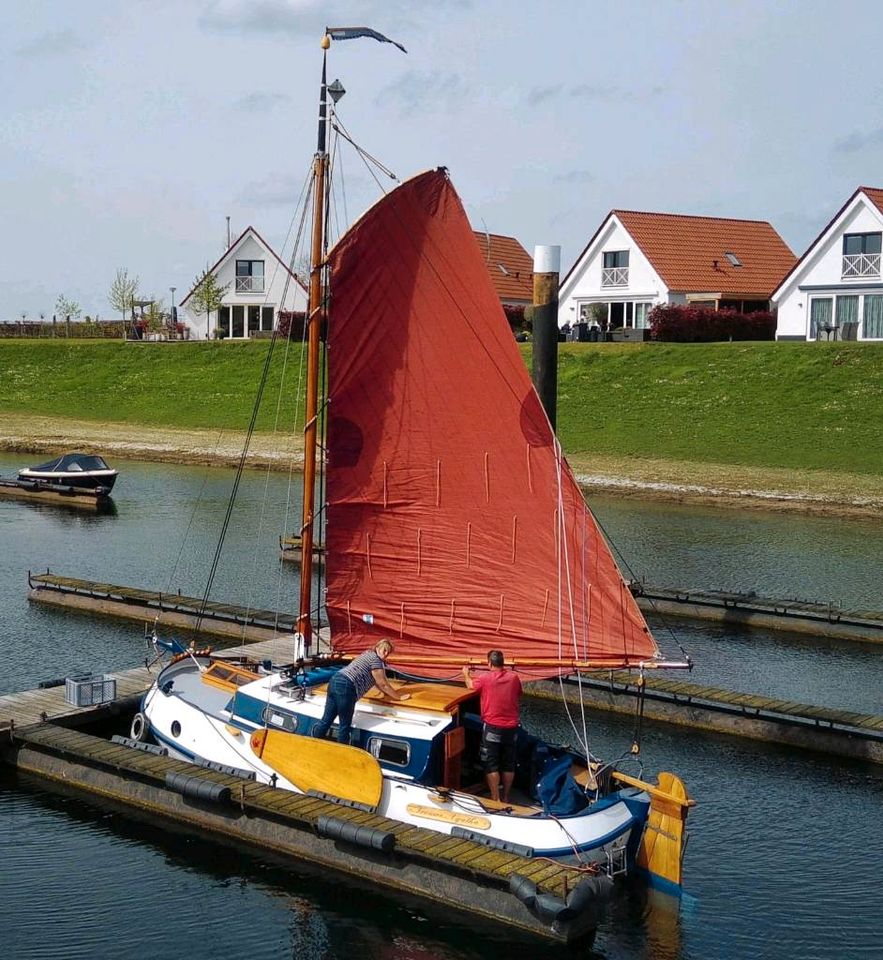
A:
(162, 384)
(791, 405)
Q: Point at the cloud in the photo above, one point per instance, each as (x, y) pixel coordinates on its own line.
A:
(54, 43)
(539, 95)
(574, 176)
(425, 92)
(588, 91)
(271, 192)
(857, 141)
(259, 102)
(285, 17)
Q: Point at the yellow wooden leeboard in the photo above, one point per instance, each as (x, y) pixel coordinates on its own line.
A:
(310, 764)
(449, 816)
(662, 848)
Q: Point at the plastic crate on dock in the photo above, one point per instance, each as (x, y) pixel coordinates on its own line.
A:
(87, 690)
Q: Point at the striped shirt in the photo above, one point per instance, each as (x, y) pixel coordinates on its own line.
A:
(359, 671)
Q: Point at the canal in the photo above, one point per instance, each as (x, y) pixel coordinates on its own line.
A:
(780, 860)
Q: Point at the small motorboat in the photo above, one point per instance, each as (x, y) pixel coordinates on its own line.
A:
(83, 471)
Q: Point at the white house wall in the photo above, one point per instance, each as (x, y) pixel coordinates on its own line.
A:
(821, 271)
(275, 279)
(584, 283)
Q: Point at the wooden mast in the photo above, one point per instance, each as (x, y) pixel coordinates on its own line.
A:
(314, 335)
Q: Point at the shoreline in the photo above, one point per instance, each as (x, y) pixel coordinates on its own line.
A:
(772, 489)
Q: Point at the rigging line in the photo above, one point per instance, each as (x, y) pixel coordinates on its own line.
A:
(298, 395)
(665, 621)
(193, 512)
(337, 123)
(239, 471)
(584, 740)
(257, 536)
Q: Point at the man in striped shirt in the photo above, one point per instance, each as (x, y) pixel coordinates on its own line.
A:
(350, 684)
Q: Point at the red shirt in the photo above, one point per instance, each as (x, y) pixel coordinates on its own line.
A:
(500, 693)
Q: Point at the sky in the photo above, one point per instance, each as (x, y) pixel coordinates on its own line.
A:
(132, 128)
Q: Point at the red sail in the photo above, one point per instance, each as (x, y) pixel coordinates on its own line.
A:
(454, 526)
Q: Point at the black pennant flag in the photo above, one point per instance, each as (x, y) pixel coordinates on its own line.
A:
(352, 33)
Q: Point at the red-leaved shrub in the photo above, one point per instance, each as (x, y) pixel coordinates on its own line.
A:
(677, 323)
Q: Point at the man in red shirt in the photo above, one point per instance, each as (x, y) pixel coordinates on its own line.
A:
(500, 695)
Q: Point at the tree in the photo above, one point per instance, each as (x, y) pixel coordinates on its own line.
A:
(67, 308)
(121, 295)
(207, 296)
(155, 316)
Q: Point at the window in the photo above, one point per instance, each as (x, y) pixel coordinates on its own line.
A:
(616, 258)
(395, 752)
(821, 316)
(641, 312)
(254, 320)
(224, 321)
(280, 719)
(249, 276)
(846, 316)
(861, 243)
(266, 318)
(872, 318)
(238, 321)
(616, 268)
(861, 255)
(734, 260)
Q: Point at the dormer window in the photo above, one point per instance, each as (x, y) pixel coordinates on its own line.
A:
(861, 255)
(615, 272)
(249, 276)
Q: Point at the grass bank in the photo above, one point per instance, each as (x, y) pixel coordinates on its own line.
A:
(718, 410)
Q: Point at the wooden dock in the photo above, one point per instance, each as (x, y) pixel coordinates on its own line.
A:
(61, 497)
(214, 619)
(827, 620)
(841, 732)
(39, 737)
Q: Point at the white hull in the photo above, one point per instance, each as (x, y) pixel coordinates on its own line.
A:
(190, 732)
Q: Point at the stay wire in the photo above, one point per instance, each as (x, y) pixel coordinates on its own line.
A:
(232, 499)
(623, 561)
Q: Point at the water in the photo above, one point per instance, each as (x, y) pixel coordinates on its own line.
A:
(781, 861)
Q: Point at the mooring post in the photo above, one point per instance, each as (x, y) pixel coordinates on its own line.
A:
(546, 265)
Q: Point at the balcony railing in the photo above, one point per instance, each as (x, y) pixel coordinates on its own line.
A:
(860, 265)
(614, 276)
(249, 284)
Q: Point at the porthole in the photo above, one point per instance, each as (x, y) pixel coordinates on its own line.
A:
(280, 719)
(396, 753)
(176, 729)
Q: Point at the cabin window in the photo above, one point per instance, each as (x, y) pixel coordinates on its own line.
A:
(280, 719)
(394, 752)
(176, 729)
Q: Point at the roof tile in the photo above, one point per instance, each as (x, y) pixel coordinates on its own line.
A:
(689, 253)
(510, 266)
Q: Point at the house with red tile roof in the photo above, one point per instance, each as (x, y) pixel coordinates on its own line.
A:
(510, 267)
(258, 285)
(636, 260)
(835, 290)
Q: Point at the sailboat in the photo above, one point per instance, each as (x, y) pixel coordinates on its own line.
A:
(452, 525)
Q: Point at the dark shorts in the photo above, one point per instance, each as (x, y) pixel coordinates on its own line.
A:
(498, 748)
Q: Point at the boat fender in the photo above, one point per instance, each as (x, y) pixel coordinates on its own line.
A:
(153, 748)
(198, 789)
(48, 684)
(519, 849)
(523, 889)
(341, 801)
(225, 768)
(551, 909)
(590, 891)
(140, 727)
(336, 829)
